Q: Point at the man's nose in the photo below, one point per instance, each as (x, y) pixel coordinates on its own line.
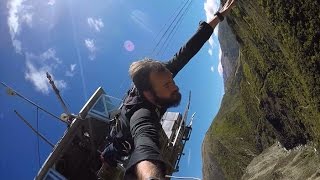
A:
(175, 87)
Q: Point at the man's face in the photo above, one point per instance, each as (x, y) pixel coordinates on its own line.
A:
(165, 91)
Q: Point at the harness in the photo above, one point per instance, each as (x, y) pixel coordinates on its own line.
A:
(120, 142)
(120, 139)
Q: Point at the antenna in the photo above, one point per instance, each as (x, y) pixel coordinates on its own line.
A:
(185, 130)
(66, 116)
(34, 130)
(183, 119)
(187, 108)
(191, 119)
(10, 91)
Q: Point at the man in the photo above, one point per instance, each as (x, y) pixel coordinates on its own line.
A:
(154, 92)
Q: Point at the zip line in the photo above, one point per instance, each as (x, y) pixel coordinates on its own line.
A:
(173, 17)
(169, 38)
(170, 28)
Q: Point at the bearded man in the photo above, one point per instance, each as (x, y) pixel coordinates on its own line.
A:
(154, 91)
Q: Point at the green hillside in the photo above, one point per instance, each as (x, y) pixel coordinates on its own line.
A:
(273, 92)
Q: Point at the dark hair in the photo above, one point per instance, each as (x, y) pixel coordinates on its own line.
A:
(140, 72)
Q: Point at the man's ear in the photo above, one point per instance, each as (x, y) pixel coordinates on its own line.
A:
(148, 95)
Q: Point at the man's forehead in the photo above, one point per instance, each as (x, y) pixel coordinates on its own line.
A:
(161, 75)
(160, 78)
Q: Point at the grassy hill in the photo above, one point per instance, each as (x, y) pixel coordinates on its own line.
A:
(272, 93)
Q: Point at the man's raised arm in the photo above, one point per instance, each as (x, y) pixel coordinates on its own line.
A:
(195, 43)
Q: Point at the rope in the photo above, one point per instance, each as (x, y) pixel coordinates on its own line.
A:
(38, 141)
(174, 30)
(172, 16)
(164, 34)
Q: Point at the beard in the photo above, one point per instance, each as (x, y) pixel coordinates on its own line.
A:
(172, 101)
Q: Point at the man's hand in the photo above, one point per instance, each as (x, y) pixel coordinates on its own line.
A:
(227, 7)
(109, 155)
(224, 11)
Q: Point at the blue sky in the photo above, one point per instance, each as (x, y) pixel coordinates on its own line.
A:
(84, 45)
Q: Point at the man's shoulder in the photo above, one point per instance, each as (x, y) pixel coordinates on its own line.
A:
(133, 97)
(143, 112)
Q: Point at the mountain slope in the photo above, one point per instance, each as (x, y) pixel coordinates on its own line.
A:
(272, 85)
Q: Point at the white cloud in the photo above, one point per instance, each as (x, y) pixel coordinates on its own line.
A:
(72, 67)
(220, 68)
(71, 72)
(37, 77)
(210, 51)
(211, 41)
(13, 22)
(216, 31)
(91, 47)
(17, 45)
(96, 24)
(18, 13)
(212, 69)
(13, 18)
(141, 19)
(61, 84)
(38, 66)
(211, 7)
(51, 2)
(27, 18)
(50, 54)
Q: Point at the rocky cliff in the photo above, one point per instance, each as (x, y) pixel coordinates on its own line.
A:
(272, 92)
(276, 162)
(230, 50)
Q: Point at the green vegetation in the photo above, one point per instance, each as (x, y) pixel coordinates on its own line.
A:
(273, 92)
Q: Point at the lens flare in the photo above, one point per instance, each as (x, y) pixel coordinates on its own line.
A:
(128, 45)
